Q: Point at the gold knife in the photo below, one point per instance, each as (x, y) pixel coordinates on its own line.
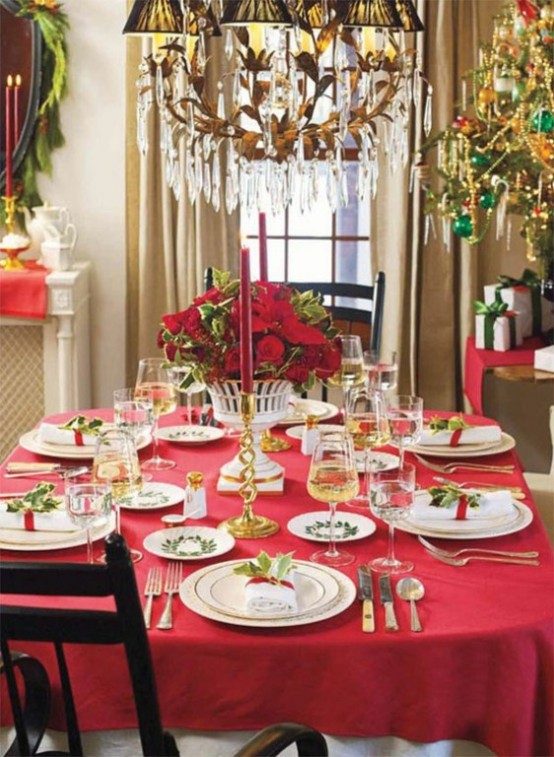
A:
(365, 593)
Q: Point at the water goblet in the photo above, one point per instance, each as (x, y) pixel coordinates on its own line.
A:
(405, 414)
(381, 369)
(392, 498)
(185, 383)
(116, 464)
(367, 424)
(87, 505)
(333, 478)
(154, 383)
(134, 416)
(351, 372)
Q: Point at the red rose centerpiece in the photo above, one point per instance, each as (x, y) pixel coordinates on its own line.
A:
(293, 341)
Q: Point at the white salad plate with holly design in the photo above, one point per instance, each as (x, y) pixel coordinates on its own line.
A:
(190, 434)
(154, 496)
(189, 543)
(315, 526)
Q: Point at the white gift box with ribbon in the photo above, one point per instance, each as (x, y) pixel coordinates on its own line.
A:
(502, 335)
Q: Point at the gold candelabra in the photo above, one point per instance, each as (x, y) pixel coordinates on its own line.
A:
(248, 525)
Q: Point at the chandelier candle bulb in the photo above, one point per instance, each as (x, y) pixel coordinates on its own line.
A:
(246, 366)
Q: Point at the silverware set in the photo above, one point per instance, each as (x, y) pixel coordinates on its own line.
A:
(29, 470)
(153, 588)
(478, 553)
(463, 465)
(409, 589)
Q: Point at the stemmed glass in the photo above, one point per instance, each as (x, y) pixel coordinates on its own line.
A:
(367, 424)
(333, 478)
(392, 499)
(180, 376)
(405, 414)
(154, 383)
(116, 464)
(381, 370)
(134, 416)
(351, 371)
(86, 505)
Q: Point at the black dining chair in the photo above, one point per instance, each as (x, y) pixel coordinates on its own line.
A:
(125, 626)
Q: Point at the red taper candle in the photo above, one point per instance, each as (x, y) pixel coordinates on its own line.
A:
(9, 135)
(262, 234)
(16, 129)
(246, 363)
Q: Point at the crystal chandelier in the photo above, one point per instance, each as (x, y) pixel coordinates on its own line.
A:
(307, 81)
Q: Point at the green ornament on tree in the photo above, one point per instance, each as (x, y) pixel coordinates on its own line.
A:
(462, 226)
(479, 159)
(543, 121)
(487, 200)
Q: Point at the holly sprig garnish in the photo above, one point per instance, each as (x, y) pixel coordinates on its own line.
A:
(39, 500)
(273, 570)
(448, 424)
(83, 425)
(445, 496)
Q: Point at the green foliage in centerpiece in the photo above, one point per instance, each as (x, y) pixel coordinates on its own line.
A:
(292, 333)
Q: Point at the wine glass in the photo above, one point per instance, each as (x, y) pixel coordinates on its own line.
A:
(351, 372)
(392, 499)
(87, 505)
(154, 383)
(333, 478)
(405, 414)
(367, 423)
(116, 464)
(381, 369)
(181, 377)
(134, 416)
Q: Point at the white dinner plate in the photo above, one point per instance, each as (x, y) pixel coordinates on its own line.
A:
(30, 442)
(190, 434)
(154, 496)
(378, 461)
(36, 541)
(469, 529)
(300, 408)
(506, 443)
(189, 542)
(295, 432)
(315, 526)
(217, 593)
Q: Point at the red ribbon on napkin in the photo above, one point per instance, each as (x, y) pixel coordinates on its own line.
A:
(78, 438)
(461, 510)
(29, 520)
(455, 438)
(262, 580)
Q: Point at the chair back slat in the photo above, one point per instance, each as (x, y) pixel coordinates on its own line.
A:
(123, 625)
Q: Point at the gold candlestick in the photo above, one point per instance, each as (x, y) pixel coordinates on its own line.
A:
(12, 263)
(9, 202)
(248, 525)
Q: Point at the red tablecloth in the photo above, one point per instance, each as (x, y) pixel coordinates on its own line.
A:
(23, 294)
(482, 670)
(477, 362)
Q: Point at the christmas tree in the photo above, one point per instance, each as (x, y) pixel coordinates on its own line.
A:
(497, 157)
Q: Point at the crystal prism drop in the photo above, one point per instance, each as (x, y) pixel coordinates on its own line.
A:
(159, 85)
(229, 46)
(428, 115)
(207, 188)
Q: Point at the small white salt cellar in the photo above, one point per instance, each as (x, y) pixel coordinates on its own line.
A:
(310, 434)
(195, 496)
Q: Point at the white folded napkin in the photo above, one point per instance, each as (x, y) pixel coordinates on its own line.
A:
(491, 505)
(49, 433)
(473, 435)
(53, 521)
(265, 597)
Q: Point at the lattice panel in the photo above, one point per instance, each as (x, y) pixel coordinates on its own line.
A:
(21, 383)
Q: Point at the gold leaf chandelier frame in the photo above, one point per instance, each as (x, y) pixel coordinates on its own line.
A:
(307, 80)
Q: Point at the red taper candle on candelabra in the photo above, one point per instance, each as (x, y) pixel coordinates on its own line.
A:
(16, 129)
(246, 362)
(9, 136)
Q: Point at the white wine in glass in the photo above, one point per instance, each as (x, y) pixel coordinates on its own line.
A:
(333, 478)
(351, 372)
(154, 383)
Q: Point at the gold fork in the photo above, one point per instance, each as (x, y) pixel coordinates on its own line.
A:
(453, 467)
(449, 554)
(152, 589)
(173, 578)
(460, 561)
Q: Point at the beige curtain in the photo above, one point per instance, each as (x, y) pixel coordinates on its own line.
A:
(169, 243)
(429, 292)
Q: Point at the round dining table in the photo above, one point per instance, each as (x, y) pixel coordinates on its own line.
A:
(481, 670)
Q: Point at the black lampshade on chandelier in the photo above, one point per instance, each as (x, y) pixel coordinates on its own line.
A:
(307, 83)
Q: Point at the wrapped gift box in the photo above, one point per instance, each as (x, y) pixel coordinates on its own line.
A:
(544, 359)
(505, 331)
(536, 312)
